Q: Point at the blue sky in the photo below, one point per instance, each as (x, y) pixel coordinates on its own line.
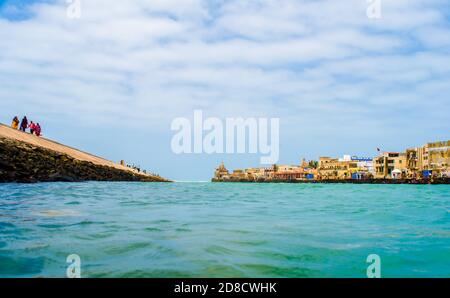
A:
(112, 81)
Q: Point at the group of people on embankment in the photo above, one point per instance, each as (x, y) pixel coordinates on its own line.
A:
(35, 128)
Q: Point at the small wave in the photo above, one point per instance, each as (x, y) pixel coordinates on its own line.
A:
(73, 203)
(127, 248)
(152, 229)
(6, 225)
(220, 250)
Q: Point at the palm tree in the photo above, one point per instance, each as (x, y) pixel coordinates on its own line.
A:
(313, 164)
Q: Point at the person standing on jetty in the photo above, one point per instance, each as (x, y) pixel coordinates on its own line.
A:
(24, 124)
(32, 127)
(37, 130)
(15, 123)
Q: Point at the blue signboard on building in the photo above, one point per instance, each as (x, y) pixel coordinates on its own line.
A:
(426, 174)
(356, 158)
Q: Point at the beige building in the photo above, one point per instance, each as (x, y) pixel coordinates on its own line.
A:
(434, 157)
(438, 157)
(415, 163)
(290, 172)
(333, 168)
(221, 172)
(389, 162)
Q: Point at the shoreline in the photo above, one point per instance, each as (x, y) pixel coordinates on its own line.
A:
(436, 181)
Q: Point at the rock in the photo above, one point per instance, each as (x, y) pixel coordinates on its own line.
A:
(22, 162)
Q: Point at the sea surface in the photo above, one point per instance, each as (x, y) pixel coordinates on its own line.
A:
(224, 230)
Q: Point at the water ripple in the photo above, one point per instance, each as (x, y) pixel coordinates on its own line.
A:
(223, 230)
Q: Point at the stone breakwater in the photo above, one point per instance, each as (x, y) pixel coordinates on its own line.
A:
(26, 163)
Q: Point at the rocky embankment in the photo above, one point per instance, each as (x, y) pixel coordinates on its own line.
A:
(27, 163)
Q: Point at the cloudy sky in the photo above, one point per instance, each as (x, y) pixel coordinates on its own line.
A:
(112, 81)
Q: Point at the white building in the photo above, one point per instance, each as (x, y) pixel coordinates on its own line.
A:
(364, 163)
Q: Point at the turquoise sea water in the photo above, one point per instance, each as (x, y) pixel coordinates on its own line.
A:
(224, 230)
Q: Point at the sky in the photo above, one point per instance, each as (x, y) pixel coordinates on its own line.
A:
(112, 81)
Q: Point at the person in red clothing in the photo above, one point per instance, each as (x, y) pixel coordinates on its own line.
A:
(32, 127)
(37, 130)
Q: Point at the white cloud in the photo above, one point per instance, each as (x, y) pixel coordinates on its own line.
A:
(148, 61)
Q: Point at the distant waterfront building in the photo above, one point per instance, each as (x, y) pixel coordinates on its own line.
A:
(386, 163)
(357, 167)
(238, 174)
(439, 158)
(429, 161)
(365, 166)
(412, 162)
(336, 169)
(221, 172)
(304, 164)
(289, 172)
